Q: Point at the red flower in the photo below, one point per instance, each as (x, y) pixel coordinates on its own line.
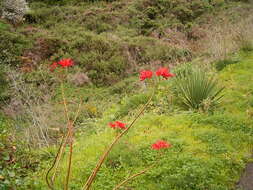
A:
(160, 145)
(145, 74)
(164, 72)
(53, 66)
(66, 62)
(118, 124)
(112, 125)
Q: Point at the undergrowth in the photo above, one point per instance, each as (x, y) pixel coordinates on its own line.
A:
(209, 149)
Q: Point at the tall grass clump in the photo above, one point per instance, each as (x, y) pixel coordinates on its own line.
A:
(196, 89)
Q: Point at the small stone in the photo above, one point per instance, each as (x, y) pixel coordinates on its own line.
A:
(79, 79)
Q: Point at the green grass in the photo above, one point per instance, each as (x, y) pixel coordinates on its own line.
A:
(209, 150)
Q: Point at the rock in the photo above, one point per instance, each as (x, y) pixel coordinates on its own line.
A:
(14, 10)
(79, 79)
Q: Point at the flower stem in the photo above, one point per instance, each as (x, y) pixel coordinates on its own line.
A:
(54, 162)
(136, 175)
(103, 157)
(70, 128)
(60, 155)
(62, 145)
(132, 177)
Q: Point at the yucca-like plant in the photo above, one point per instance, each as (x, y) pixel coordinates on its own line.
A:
(196, 89)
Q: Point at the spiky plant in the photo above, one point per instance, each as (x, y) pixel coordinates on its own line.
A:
(197, 90)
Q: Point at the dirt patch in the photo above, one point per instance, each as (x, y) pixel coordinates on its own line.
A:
(246, 180)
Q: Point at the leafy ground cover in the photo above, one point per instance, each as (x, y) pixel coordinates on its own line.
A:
(209, 150)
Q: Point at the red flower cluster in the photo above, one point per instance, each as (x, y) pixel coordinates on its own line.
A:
(163, 71)
(146, 74)
(160, 145)
(63, 63)
(118, 124)
(66, 62)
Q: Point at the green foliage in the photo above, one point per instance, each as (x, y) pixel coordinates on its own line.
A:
(197, 90)
(221, 64)
(150, 15)
(131, 103)
(209, 150)
(202, 156)
(3, 84)
(12, 45)
(247, 46)
(124, 87)
(16, 161)
(227, 122)
(184, 70)
(4, 26)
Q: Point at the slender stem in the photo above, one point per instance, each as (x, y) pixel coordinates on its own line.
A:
(136, 175)
(54, 162)
(70, 154)
(132, 177)
(65, 103)
(60, 155)
(61, 147)
(103, 157)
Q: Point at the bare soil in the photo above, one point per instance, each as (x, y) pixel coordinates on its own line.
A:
(246, 181)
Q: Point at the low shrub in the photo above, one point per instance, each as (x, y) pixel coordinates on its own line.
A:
(131, 103)
(16, 161)
(197, 90)
(124, 87)
(12, 45)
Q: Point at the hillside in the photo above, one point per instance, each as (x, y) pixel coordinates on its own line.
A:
(209, 150)
(204, 110)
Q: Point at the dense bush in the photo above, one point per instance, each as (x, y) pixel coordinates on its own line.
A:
(150, 14)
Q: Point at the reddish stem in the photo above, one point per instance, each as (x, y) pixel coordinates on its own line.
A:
(70, 154)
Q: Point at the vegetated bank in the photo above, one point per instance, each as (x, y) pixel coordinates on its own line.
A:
(110, 42)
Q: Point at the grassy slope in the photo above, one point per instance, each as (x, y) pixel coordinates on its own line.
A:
(209, 151)
(103, 40)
